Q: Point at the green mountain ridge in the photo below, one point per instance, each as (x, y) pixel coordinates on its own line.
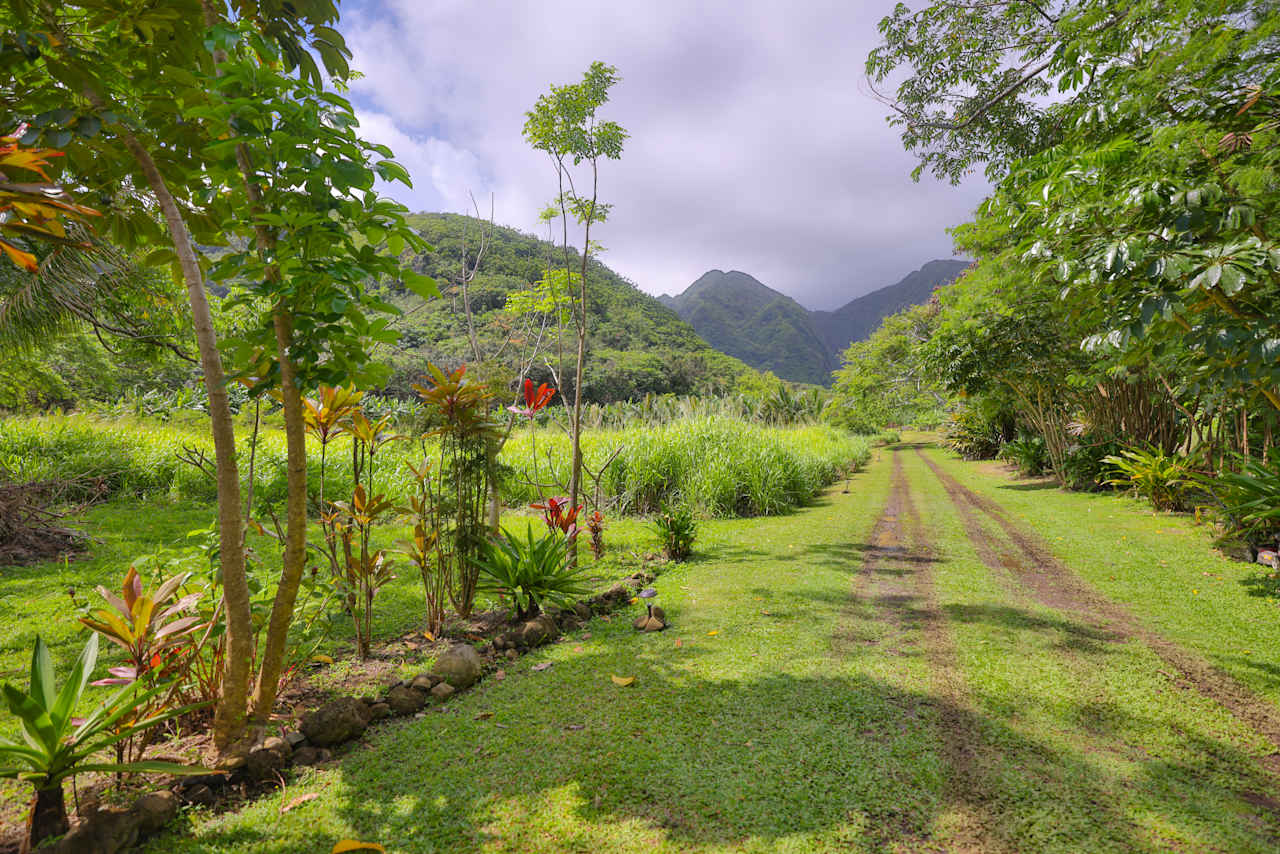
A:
(768, 330)
(635, 345)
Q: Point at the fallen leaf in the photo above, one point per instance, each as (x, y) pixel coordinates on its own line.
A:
(323, 659)
(429, 636)
(500, 675)
(586, 635)
(623, 681)
(679, 643)
(344, 845)
(575, 727)
(577, 649)
(299, 801)
(501, 726)
(411, 645)
(484, 716)
(766, 614)
(538, 668)
(714, 632)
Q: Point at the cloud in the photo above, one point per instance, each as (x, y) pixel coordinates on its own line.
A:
(751, 146)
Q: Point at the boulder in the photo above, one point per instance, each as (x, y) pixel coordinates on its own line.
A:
(295, 739)
(155, 810)
(265, 760)
(379, 711)
(336, 722)
(443, 691)
(311, 755)
(539, 631)
(583, 610)
(403, 700)
(460, 665)
(425, 681)
(200, 795)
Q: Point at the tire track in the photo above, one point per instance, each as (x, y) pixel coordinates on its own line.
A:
(1053, 584)
(895, 586)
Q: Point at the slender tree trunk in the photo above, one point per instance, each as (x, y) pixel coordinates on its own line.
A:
(48, 817)
(295, 548)
(229, 715)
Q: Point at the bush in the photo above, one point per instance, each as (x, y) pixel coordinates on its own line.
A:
(1159, 477)
(531, 571)
(974, 436)
(1084, 467)
(1028, 454)
(676, 530)
(1250, 500)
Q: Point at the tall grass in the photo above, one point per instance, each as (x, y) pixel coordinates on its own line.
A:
(720, 466)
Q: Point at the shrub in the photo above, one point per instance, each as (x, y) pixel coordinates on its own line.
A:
(974, 436)
(531, 571)
(676, 530)
(1250, 500)
(1159, 477)
(1084, 467)
(1028, 454)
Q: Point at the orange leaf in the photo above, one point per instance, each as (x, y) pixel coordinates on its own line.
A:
(623, 681)
(25, 260)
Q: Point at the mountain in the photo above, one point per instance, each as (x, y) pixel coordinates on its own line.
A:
(635, 345)
(770, 331)
(857, 319)
(747, 319)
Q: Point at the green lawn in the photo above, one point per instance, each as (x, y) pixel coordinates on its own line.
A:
(824, 689)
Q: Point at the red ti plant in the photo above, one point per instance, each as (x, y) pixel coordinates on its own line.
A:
(534, 400)
(559, 516)
(595, 524)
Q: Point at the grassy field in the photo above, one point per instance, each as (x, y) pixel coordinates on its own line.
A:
(940, 659)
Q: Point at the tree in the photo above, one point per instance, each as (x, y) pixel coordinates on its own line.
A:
(884, 380)
(564, 124)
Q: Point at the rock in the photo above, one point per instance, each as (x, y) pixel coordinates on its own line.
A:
(295, 739)
(155, 810)
(460, 665)
(583, 610)
(618, 593)
(200, 795)
(538, 631)
(500, 642)
(368, 700)
(513, 654)
(402, 700)
(443, 691)
(311, 755)
(425, 681)
(336, 722)
(1268, 557)
(379, 711)
(105, 832)
(264, 761)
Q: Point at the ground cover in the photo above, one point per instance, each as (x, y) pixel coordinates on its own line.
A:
(889, 669)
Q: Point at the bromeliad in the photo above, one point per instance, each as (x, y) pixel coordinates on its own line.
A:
(559, 516)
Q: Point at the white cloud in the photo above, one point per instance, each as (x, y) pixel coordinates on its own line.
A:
(751, 147)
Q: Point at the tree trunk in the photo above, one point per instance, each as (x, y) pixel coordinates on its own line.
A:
(295, 548)
(229, 715)
(48, 817)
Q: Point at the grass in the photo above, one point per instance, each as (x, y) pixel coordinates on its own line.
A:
(723, 467)
(807, 700)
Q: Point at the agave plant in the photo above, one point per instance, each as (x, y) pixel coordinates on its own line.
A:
(58, 745)
(531, 571)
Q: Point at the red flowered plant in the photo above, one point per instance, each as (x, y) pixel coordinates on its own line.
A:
(559, 516)
(534, 399)
(595, 524)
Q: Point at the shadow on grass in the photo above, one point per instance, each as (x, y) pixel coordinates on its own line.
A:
(1265, 585)
(853, 762)
(1030, 486)
(1072, 635)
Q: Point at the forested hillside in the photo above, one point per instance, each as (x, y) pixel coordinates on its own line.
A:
(745, 318)
(636, 345)
(739, 315)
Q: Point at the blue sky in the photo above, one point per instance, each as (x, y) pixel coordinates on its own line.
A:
(753, 144)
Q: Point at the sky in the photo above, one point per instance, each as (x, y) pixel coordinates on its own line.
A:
(753, 146)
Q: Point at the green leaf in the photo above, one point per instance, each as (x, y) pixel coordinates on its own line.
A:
(423, 286)
(42, 675)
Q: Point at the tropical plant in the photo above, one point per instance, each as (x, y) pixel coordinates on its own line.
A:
(974, 436)
(532, 571)
(559, 516)
(58, 745)
(676, 529)
(595, 524)
(1250, 500)
(425, 550)
(1159, 477)
(458, 415)
(1027, 453)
